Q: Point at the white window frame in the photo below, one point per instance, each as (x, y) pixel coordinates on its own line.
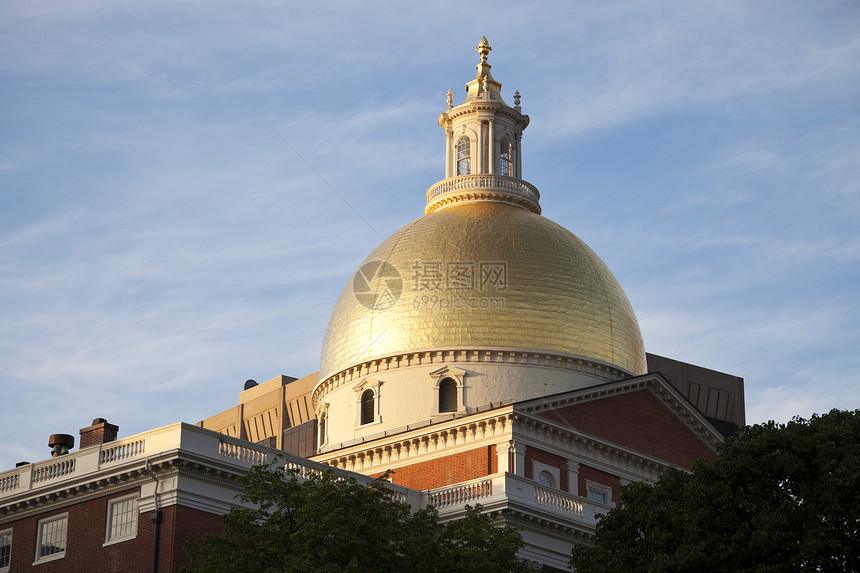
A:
(466, 158)
(445, 373)
(135, 512)
(598, 488)
(4, 533)
(539, 468)
(40, 532)
(548, 476)
(323, 424)
(506, 164)
(368, 384)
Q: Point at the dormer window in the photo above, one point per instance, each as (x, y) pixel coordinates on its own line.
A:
(464, 160)
(506, 157)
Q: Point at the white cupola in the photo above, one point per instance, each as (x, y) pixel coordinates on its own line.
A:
(483, 146)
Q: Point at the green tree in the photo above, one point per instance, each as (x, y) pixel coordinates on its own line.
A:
(781, 497)
(328, 524)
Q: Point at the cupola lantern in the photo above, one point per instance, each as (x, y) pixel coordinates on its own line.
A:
(483, 146)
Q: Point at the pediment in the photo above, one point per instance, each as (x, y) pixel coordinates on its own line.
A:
(448, 371)
(367, 383)
(645, 414)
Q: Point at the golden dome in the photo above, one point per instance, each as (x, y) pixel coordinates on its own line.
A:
(483, 275)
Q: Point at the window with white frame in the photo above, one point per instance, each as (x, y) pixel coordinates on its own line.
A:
(545, 478)
(506, 157)
(448, 390)
(546, 475)
(322, 436)
(598, 492)
(121, 519)
(464, 161)
(5, 550)
(367, 402)
(51, 540)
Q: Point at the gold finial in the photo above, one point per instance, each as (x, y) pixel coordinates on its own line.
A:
(483, 49)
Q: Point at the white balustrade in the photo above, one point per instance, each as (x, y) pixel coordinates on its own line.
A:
(483, 182)
(121, 451)
(174, 441)
(460, 494)
(8, 482)
(47, 471)
(243, 451)
(560, 500)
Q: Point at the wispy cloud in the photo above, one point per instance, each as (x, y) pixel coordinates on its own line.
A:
(159, 244)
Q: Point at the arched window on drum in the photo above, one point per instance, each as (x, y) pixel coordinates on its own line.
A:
(447, 396)
(506, 157)
(367, 407)
(464, 159)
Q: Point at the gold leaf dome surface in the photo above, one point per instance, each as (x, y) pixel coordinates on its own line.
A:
(483, 275)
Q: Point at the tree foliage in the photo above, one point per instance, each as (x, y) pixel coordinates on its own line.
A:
(778, 498)
(329, 524)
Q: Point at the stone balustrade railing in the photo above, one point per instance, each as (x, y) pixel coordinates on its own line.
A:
(231, 454)
(516, 189)
(460, 494)
(205, 446)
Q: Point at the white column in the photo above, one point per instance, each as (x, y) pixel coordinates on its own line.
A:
(503, 455)
(572, 477)
(519, 151)
(519, 455)
(449, 155)
(491, 151)
(512, 457)
(479, 160)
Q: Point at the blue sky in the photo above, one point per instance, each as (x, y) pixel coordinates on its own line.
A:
(160, 243)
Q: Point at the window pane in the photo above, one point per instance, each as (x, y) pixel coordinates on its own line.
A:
(5, 548)
(463, 160)
(52, 537)
(546, 479)
(506, 157)
(367, 407)
(448, 396)
(123, 519)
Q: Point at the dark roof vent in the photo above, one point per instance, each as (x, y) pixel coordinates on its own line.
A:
(60, 444)
(249, 384)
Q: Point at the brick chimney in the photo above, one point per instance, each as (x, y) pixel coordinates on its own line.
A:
(100, 432)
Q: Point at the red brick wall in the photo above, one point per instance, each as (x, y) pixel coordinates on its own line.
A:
(98, 435)
(639, 421)
(455, 468)
(182, 524)
(597, 476)
(534, 454)
(86, 535)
